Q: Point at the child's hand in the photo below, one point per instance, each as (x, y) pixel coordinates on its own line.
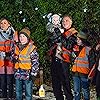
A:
(16, 57)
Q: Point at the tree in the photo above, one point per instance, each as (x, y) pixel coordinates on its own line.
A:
(31, 13)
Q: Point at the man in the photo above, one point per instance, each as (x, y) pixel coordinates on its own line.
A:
(60, 64)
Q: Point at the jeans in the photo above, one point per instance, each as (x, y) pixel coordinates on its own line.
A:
(6, 82)
(81, 83)
(19, 89)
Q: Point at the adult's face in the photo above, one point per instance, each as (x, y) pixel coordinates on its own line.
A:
(4, 24)
(66, 22)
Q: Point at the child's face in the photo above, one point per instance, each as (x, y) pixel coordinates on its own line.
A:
(56, 20)
(23, 39)
(66, 22)
(4, 24)
(79, 41)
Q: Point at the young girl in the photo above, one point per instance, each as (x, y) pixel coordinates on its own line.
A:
(81, 67)
(26, 66)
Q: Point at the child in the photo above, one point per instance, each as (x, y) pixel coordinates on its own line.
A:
(54, 27)
(6, 65)
(26, 66)
(83, 62)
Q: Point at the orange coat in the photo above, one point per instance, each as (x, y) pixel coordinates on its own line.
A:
(70, 32)
(66, 55)
(6, 61)
(6, 47)
(9, 45)
(81, 63)
(24, 61)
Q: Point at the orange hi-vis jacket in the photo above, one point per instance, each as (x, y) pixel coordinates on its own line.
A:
(66, 55)
(70, 32)
(81, 63)
(2, 46)
(2, 49)
(24, 61)
(9, 45)
(6, 47)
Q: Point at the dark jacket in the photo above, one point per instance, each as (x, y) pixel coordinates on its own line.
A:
(97, 57)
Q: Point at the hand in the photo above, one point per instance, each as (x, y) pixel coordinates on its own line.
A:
(62, 30)
(98, 47)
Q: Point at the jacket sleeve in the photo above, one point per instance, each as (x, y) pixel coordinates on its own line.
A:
(10, 54)
(97, 52)
(50, 27)
(92, 58)
(35, 62)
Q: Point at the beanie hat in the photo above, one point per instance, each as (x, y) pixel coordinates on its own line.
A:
(26, 32)
(82, 35)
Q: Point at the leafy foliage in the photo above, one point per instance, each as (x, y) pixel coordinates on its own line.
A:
(85, 14)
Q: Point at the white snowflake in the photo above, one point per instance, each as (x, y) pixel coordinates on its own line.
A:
(85, 10)
(36, 8)
(20, 12)
(24, 19)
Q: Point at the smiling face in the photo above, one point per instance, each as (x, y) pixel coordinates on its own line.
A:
(4, 24)
(23, 39)
(66, 22)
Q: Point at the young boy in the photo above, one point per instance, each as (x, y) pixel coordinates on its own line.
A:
(26, 66)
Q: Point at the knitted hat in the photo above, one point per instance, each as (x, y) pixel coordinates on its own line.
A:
(82, 35)
(26, 32)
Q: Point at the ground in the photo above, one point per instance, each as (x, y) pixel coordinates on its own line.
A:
(50, 95)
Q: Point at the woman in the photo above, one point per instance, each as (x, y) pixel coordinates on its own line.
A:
(6, 64)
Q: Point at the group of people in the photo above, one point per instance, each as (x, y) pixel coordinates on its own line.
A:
(71, 56)
(72, 59)
(19, 62)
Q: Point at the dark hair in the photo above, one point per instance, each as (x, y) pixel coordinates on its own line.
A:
(5, 19)
(85, 42)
